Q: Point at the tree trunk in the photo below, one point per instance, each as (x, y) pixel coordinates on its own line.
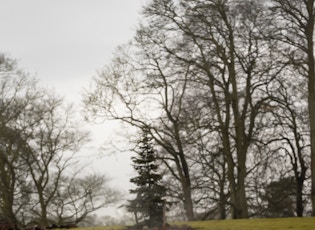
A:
(241, 149)
(241, 191)
(188, 204)
(222, 201)
(136, 217)
(184, 173)
(43, 206)
(299, 196)
(312, 127)
(309, 31)
(7, 195)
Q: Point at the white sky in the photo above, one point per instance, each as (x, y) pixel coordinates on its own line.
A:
(64, 42)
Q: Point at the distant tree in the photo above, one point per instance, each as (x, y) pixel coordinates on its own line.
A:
(39, 141)
(55, 141)
(149, 191)
(280, 196)
(78, 196)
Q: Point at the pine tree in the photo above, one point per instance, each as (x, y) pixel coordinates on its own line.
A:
(149, 191)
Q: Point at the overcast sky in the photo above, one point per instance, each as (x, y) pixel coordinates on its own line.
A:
(64, 42)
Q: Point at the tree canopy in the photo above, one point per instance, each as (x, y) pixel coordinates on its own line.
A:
(39, 140)
(225, 89)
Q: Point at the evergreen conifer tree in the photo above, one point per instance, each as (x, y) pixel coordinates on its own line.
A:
(149, 191)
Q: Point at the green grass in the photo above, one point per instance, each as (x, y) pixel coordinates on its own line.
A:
(306, 223)
(101, 228)
(256, 224)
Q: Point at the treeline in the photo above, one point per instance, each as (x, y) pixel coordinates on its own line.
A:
(226, 90)
(41, 179)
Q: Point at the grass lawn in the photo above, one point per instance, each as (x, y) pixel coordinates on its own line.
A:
(306, 223)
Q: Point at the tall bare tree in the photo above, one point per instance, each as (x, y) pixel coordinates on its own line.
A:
(215, 49)
(223, 44)
(147, 93)
(292, 120)
(296, 29)
(54, 142)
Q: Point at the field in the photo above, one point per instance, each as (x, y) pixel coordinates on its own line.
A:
(306, 223)
(257, 224)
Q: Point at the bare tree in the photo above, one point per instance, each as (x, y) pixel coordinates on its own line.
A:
(214, 48)
(147, 93)
(40, 137)
(210, 175)
(17, 98)
(222, 42)
(78, 196)
(296, 30)
(293, 138)
(54, 142)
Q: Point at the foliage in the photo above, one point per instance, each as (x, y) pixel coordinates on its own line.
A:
(149, 191)
(280, 197)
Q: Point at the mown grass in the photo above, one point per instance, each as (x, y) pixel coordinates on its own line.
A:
(102, 228)
(306, 223)
(256, 224)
